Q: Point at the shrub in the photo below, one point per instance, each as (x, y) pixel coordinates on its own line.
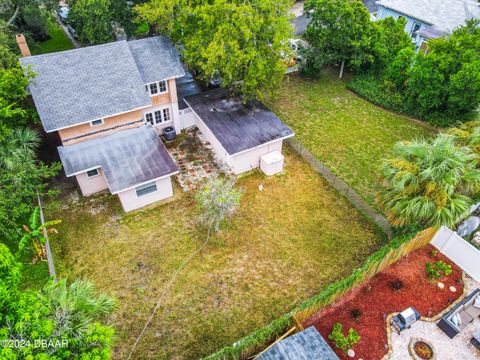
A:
(396, 284)
(341, 341)
(356, 314)
(438, 269)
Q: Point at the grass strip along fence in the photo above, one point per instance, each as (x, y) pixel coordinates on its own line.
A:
(342, 187)
(378, 261)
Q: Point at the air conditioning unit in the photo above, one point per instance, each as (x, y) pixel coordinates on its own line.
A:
(271, 163)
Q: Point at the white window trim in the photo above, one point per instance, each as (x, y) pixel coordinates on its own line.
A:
(158, 108)
(152, 183)
(94, 125)
(93, 176)
(158, 87)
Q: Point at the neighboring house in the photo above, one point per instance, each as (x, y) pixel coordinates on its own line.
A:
(307, 344)
(429, 19)
(109, 103)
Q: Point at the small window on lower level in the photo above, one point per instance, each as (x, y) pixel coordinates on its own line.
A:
(92, 173)
(96, 122)
(146, 189)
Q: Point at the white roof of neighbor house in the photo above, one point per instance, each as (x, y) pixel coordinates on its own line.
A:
(77, 86)
(446, 15)
(127, 158)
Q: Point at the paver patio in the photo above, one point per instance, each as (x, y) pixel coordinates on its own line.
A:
(458, 348)
(194, 159)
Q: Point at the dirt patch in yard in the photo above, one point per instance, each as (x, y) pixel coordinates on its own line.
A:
(377, 298)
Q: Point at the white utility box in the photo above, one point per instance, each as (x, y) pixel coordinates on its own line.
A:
(271, 163)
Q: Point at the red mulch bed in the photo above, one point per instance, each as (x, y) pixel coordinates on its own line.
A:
(376, 299)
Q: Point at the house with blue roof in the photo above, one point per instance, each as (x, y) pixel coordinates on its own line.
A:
(429, 19)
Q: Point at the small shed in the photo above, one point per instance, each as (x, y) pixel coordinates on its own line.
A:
(305, 345)
(239, 133)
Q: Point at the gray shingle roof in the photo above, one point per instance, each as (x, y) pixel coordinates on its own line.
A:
(156, 58)
(127, 158)
(446, 15)
(76, 86)
(305, 345)
(236, 126)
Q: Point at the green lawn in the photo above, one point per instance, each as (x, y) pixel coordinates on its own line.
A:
(348, 134)
(58, 41)
(285, 244)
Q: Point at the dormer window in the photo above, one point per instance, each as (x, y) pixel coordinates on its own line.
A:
(157, 88)
(96, 122)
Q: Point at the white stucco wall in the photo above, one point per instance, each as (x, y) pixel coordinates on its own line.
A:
(218, 149)
(250, 159)
(130, 201)
(187, 118)
(89, 186)
(462, 253)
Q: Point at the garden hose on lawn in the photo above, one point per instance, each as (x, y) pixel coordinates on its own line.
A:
(185, 262)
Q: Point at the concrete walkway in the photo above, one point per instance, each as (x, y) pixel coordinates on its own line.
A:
(458, 348)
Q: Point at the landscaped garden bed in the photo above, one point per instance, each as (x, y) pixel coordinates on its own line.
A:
(402, 285)
(290, 239)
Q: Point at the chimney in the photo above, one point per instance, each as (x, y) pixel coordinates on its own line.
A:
(22, 44)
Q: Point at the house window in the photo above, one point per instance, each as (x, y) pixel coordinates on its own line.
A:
(96, 122)
(149, 118)
(92, 173)
(146, 189)
(153, 89)
(416, 26)
(156, 88)
(158, 116)
(166, 114)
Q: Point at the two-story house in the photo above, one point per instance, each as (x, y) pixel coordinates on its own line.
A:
(429, 19)
(107, 103)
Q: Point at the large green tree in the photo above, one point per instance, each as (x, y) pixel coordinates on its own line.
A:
(446, 81)
(340, 31)
(95, 20)
(431, 183)
(241, 43)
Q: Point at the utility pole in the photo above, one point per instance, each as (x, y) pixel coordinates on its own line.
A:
(51, 266)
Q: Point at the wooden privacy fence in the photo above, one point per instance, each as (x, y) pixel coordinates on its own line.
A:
(386, 256)
(375, 264)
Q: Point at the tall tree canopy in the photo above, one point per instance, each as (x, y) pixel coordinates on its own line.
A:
(241, 43)
(339, 31)
(431, 183)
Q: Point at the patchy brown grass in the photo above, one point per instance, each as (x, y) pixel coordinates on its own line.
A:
(285, 244)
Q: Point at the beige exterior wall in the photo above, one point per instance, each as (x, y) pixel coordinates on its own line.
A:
(110, 125)
(251, 159)
(130, 201)
(89, 186)
(124, 121)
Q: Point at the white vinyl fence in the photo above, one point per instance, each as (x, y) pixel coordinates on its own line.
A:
(462, 253)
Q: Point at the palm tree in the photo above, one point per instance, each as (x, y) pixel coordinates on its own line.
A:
(430, 182)
(73, 308)
(18, 149)
(35, 233)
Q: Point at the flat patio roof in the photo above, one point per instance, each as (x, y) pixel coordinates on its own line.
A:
(237, 126)
(127, 158)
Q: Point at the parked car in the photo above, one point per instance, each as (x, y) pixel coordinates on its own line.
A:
(72, 31)
(63, 13)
